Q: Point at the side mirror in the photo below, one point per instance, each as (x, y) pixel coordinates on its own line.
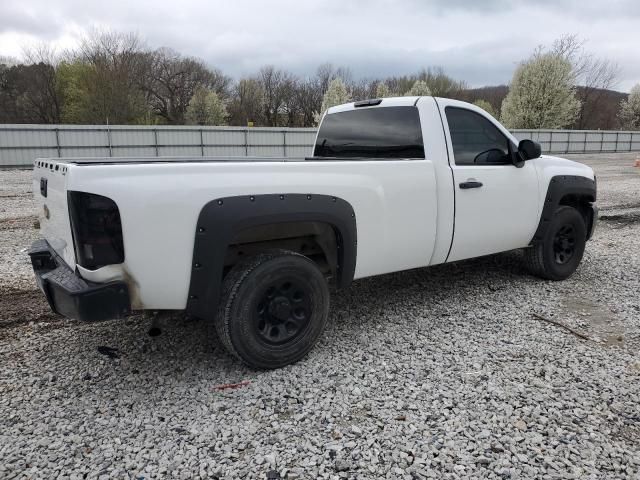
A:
(529, 149)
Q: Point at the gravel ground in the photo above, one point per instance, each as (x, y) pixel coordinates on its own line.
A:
(433, 373)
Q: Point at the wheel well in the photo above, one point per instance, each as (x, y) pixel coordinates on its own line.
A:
(251, 223)
(318, 241)
(581, 203)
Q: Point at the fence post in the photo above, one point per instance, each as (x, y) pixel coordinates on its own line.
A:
(617, 134)
(584, 143)
(155, 140)
(601, 140)
(566, 150)
(109, 140)
(201, 143)
(551, 142)
(58, 142)
(284, 142)
(631, 141)
(246, 141)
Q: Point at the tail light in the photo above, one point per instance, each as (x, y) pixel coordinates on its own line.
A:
(97, 230)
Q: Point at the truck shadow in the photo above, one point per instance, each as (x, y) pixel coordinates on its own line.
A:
(437, 284)
(121, 352)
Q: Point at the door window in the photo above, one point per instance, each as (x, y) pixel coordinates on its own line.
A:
(476, 140)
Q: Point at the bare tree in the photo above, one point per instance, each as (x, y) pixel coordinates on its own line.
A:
(594, 76)
(324, 74)
(8, 61)
(170, 81)
(246, 103)
(327, 72)
(277, 88)
(111, 84)
(309, 98)
(40, 97)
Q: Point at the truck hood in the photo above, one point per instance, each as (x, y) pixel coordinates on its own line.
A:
(562, 166)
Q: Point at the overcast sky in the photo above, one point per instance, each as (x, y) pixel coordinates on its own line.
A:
(478, 41)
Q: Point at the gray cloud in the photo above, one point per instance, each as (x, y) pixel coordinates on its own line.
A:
(477, 41)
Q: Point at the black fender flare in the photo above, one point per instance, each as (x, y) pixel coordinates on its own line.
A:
(559, 187)
(221, 219)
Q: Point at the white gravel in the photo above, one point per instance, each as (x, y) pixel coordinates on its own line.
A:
(432, 373)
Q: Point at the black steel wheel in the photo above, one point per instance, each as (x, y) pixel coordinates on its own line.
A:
(564, 243)
(274, 307)
(283, 311)
(559, 253)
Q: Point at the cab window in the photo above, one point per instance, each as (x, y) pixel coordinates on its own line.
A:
(379, 132)
(476, 140)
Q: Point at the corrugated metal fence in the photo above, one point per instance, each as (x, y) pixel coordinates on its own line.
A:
(21, 144)
(582, 141)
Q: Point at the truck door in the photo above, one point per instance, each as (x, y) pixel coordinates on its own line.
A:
(496, 203)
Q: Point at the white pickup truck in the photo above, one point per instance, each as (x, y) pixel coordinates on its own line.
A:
(252, 244)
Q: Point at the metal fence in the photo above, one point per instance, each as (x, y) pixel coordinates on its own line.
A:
(21, 144)
(582, 141)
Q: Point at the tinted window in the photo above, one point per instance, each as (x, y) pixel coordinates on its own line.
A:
(471, 135)
(382, 132)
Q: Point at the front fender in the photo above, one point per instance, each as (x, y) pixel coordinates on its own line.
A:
(559, 187)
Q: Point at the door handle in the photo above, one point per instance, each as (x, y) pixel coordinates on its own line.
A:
(470, 184)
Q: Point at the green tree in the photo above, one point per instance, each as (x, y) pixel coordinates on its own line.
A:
(117, 63)
(541, 94)
(486, 106)
(205, 108)
(629, 114)
(420, 88)
(73, 80)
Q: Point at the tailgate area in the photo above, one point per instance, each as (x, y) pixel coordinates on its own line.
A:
(50, 191)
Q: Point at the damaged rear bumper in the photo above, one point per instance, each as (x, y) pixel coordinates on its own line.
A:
(72, 296)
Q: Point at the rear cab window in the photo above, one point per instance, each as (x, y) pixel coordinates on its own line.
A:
(378, 132)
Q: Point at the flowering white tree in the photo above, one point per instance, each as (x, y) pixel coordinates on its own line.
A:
(205, 108)
(419, 89)
(629, 114)
(382, 90)
(336, 94)
(486, 106)
(541, 94)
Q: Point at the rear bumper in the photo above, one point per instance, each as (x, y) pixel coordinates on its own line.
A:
(70, 295)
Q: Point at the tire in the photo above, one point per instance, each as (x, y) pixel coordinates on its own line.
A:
(273, 309)
(562, 247)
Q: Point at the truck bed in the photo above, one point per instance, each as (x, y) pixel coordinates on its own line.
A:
(144, 160)
(160, 201)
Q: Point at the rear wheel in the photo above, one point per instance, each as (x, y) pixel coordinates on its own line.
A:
(273, 309)
(559, 253)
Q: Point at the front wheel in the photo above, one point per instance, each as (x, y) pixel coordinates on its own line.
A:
(559, 253)
(273, 309)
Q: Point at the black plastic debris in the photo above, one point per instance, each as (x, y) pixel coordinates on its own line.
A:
(109, 351)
